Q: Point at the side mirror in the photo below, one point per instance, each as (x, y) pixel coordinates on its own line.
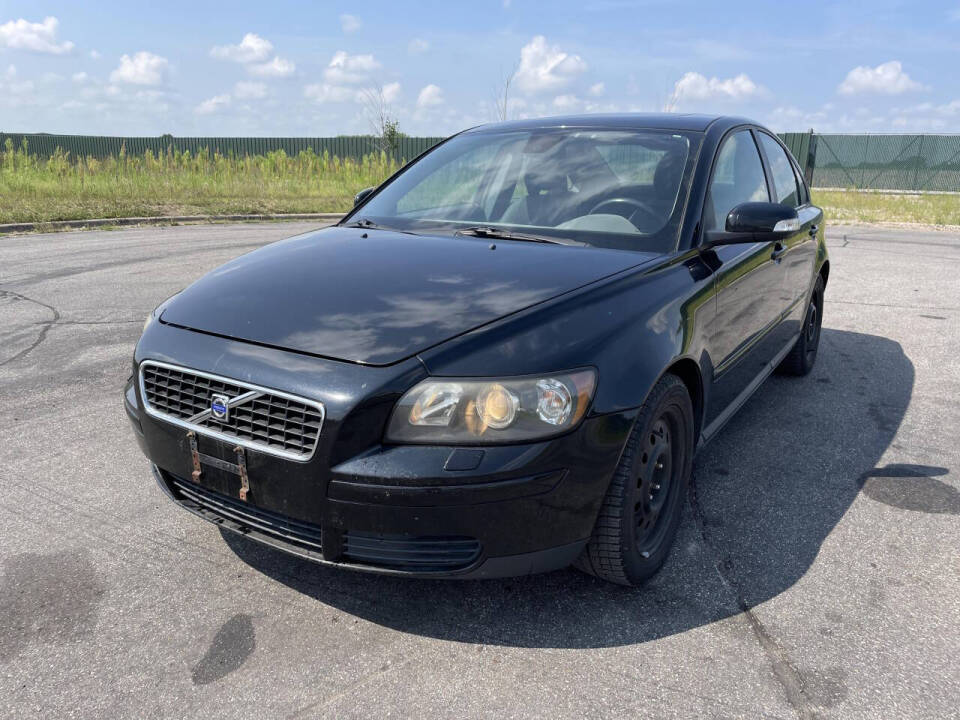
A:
(755, 222)
(362, 195)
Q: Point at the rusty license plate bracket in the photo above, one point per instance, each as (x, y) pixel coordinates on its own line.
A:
(200, 459)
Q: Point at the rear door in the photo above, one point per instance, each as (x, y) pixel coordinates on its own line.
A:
(801, 248)
(751, 282)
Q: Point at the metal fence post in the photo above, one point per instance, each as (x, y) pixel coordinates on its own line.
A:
(811, 158)
(916, 169)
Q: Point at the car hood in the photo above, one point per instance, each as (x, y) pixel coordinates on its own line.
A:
(377, 296)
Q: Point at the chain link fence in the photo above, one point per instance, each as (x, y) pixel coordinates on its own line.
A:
(901, 163)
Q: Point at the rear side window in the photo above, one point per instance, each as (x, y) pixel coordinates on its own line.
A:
(737, 178)
(784, 181)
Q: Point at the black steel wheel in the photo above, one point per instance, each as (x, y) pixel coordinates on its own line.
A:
(801, 358)
(641, 512)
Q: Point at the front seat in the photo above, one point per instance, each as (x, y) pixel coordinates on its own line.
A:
(666, 182)
(547, 198)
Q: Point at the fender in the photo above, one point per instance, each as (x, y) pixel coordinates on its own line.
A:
(631, 328)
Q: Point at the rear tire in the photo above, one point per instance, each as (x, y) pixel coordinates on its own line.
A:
(640, 514)
(803, 355)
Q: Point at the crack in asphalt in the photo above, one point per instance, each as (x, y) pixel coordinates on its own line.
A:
(893, 305)
(847, 237)
(113, 264)
(45, 327)
(786, 673)
(61, 323)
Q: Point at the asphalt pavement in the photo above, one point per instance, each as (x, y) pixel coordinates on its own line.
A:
(816, 573)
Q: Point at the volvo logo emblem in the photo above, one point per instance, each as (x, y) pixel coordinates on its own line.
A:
(219, 407)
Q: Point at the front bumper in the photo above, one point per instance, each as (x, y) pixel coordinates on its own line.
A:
(387, 554)
(427, 511)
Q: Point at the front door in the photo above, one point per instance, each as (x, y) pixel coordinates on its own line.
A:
(751, 280)
(800, 257)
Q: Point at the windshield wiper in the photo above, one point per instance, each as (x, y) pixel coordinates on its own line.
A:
(362, 223)
(368, 224)
(485, 231)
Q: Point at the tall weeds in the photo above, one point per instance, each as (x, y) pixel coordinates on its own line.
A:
(34, 189)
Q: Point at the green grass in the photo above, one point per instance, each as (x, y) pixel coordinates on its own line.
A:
(871, 207)
(63, 188)
(36, 189)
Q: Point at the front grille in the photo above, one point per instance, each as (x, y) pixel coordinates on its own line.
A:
(257, 417)
(410, 553)
(216, 507)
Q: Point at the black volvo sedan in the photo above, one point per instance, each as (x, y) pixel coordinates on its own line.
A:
(502, 360)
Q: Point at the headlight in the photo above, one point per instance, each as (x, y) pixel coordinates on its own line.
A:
(472, 411)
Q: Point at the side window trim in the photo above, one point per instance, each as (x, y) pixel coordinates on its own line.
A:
(765, 161)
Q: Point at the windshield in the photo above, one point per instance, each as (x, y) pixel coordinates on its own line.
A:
(613, 188)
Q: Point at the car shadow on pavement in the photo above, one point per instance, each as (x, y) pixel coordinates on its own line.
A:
(765, 495)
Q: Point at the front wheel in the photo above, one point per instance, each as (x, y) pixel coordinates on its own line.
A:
(803, 355)
(641, 511)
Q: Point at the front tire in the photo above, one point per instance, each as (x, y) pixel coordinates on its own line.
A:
(803, 355)
(640, 514)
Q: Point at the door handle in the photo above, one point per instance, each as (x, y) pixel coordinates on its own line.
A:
(778, 252)
(813, 230)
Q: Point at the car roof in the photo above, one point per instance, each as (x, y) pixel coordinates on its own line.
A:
(632, 121)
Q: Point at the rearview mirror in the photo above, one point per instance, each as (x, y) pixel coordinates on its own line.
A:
(362, 195)
(755, 222)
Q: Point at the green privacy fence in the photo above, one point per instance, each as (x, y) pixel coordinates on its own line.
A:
(911, 163)
(352, 146)
(920, 163)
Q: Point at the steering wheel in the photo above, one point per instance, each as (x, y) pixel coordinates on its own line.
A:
(639, 207)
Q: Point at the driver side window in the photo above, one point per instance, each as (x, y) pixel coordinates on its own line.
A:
(737, 178)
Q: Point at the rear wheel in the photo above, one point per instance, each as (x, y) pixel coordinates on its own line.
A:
(803, 355)
(641, 512)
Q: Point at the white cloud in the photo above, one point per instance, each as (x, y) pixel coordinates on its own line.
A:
(212, 105)
(250, 90)
(694, 86)
(391, 92)
(327, 93)
(885, 79)
(40, 37)
(566, 102)
(350, 23)
(95, 55)
(9, 87)
(430, 96)
(278, 67)
(345, 69)
(144, 68)
(252, 48)
(546, 67)
(80, 77)
(597, 90)
(418, 46)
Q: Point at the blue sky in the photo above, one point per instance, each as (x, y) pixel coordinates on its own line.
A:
(289, 68)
